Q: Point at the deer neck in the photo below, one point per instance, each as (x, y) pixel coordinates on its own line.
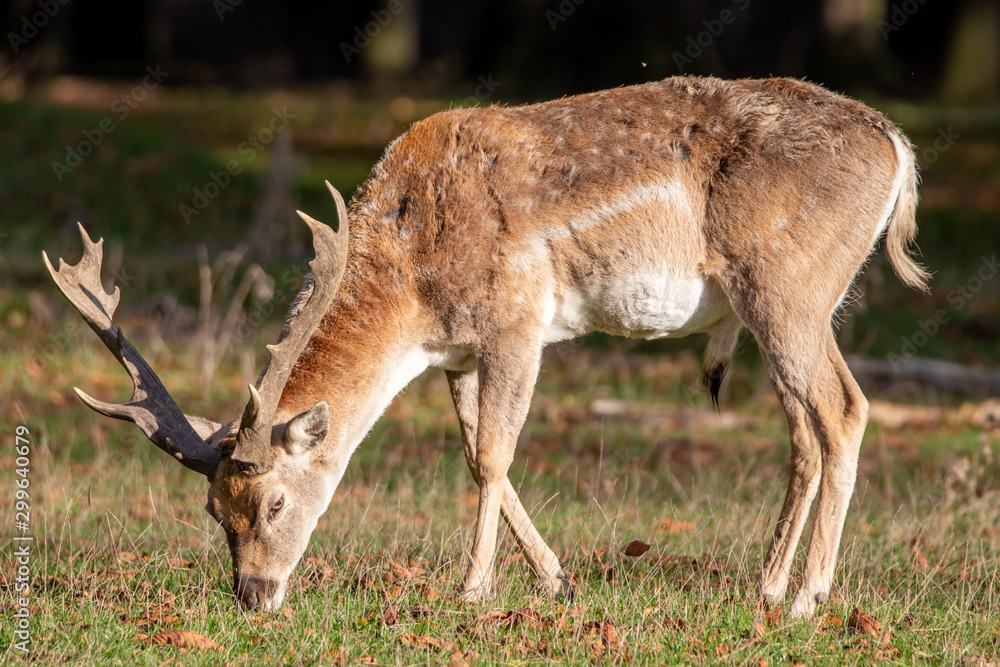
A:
(369, 346)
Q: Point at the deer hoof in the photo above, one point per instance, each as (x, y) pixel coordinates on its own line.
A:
(565, 592)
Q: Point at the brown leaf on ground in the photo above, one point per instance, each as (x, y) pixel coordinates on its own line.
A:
(399, 570)
(722, 649)
(153, 618)
(183, 639)
(772, 616)
(365, 580)
(431, 594)
(672, 526)
(602, 636)
(636, 548)
(759, 630)
(421, 611)
(525, 616)
(339, 655)
(459, 656)
(389, 616)
(866, 623)
(426, 642)
(490, 617)
(830, 622)
(180, 563)
(919, 557)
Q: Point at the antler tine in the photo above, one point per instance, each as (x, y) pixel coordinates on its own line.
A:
(253, 442)
(96, 306)
(150, 408)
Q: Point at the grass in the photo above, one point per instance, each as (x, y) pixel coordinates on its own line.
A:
(619, 446)
(124, 551)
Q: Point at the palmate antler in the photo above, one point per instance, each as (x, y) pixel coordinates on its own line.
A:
(151, 408)
(253, 451)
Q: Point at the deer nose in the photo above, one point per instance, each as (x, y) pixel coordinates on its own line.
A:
(253, 591)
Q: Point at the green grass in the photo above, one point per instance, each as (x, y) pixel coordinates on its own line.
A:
(124, 550)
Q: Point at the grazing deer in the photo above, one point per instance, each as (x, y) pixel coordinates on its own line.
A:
(681, 206)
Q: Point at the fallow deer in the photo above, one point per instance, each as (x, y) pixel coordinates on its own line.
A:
(483, 234)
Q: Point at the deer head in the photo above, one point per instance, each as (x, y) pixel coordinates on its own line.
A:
(267, 477)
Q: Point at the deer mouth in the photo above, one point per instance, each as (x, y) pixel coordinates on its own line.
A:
(258, 594)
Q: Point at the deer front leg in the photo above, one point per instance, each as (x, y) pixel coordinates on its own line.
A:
(543, 562)
(508, 366)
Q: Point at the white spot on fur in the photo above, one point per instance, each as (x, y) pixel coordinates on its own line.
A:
(672, 193)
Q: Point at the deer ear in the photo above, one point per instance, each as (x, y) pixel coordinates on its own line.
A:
(307, 430)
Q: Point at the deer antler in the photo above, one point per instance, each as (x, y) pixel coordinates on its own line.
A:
(253, 442)
(151, 408)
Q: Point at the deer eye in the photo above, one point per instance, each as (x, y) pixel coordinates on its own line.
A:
(276, 507)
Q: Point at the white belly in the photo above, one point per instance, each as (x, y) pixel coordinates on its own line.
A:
(639, 304)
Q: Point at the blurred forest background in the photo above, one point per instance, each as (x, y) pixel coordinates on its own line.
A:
(187, 131)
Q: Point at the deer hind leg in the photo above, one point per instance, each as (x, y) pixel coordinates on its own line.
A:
(508, 367)
(840, 414)
(811, 370)
(803, 484)
(543, 562)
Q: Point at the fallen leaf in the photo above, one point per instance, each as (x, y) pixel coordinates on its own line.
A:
(759, 630)
(183, 639)
(863, 622)
(426, 641)
(772, 616)
(418, 611)
(672, 526)
(636, 548)
(830, 622)
(490, 617)
(399, 570)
